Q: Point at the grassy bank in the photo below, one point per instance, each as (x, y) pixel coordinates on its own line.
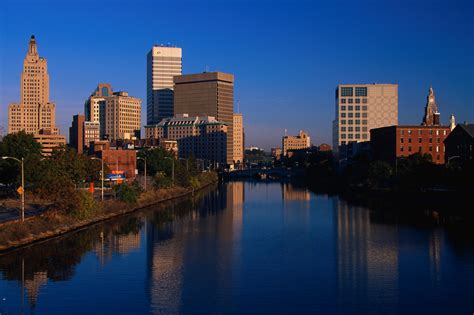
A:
(54, 223)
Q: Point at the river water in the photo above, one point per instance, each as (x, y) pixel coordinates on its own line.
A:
(248, 248)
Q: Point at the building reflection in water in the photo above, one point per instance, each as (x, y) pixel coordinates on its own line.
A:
(367, 258)
(177, 253)
(291, 192)
(436, 239)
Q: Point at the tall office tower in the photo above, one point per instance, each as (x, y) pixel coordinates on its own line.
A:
(209, 93)
(431, 117)
(361, 107)
(122, 116)
(117, 113)
(163, 63)
(34, 112)
(238, 138)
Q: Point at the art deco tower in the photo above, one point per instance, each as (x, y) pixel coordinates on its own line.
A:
(34, 112)
(431, 117)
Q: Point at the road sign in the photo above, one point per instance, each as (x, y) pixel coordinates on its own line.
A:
(20, 190)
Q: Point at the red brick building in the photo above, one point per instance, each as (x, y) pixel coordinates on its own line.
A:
(120, 160)
(387, 143)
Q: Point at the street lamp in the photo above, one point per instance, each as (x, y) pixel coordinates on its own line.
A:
(102, 161)
(144, 159)
(22, 183)
(172, 167)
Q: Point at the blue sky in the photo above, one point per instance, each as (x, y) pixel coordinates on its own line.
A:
(287, 56)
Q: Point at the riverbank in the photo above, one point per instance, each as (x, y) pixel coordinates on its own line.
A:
(52, 224)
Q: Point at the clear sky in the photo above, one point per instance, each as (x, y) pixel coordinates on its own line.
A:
(287, 56)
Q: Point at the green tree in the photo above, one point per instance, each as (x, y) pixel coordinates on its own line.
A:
(157, 160)
(19, 145)
(379, 174)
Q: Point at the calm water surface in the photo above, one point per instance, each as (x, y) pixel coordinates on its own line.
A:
(248, 248)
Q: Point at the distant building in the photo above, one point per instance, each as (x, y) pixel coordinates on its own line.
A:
(163, 63)
(324, 147)
(202, 137)
(170, 146)
(431, 117)
(34, 112)
(276, 153)
(49, 141)
(392, 142)
(460, 144)
(91, 132)
(118, 114)
(76, 133)
(209, 93)
(362, 107)
(300, 141)
(238, 138)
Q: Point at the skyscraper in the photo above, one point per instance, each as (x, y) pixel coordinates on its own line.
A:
(207, 94)
(163, 63)
(361, 107)
(34, 111)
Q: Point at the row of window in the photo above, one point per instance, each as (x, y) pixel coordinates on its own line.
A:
(420, 140)
(351, 115)
(351, 107)
(420, 132)
(352, 122)
(354, 136)
(350, 129)
(351, 101)
(349, 91)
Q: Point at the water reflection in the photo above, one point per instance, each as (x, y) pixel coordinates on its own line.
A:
(273, 245)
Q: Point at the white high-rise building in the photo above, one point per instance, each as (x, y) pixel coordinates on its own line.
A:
(361, 107)
(163, 63)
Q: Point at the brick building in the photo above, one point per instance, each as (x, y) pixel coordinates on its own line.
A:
(120, 160)
(387, 143)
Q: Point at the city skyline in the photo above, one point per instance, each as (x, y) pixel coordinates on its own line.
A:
(412, 54)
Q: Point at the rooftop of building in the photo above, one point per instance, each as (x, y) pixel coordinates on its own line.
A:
(468, 128)
(185, 119)
(203, 77)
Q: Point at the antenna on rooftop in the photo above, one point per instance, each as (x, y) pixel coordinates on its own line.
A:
(207, 68)
(286, 132)
(238, 107)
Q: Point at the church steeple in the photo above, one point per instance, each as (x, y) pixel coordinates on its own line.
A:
(32, 48)
(431, 116)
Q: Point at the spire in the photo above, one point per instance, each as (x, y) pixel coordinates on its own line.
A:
(32, 48)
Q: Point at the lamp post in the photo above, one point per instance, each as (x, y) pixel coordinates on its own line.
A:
(144, 159)
(22, 162)
(172, 167)
(102, 161)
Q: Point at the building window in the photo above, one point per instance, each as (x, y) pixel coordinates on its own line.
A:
(343, 101)
(430, 149)
(419, 140)
(350, 129)
(409, 140)
(351, 136)
(346, 91)
(357, 100)
(350, 122)
(420, 132)
(350, 115)
(401, 132)
(401, 140)
(351, 107)
(409, 149)
(343, 115)
(350, 101)
(357, 115)
(364, 122)
(438, 157)
(401, 148)
(409, 132)
(364, 136)
(357, 107)
(343, 122)
(343, 107)
(361, 91)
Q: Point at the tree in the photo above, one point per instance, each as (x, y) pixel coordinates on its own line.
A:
(157, 160)
(19, 145)
(379, 174)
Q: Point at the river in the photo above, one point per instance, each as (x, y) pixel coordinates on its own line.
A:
(248, 248)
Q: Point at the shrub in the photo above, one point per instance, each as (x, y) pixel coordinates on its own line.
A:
(87, 206)
(127, 193)
(161, 181)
